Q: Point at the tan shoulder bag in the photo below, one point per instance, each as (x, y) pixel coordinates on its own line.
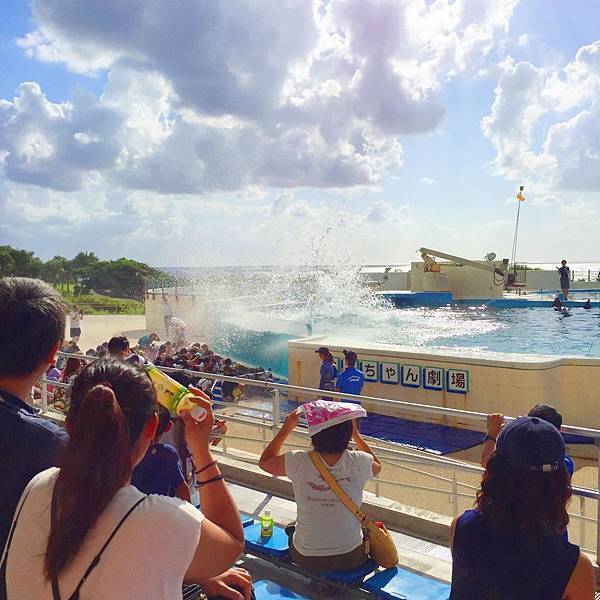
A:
(380, 546)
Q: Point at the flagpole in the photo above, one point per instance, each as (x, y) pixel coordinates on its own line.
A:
(513, 258)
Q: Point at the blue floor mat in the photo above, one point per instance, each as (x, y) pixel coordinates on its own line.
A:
(402, 583)
(574, 438)
(429, 437)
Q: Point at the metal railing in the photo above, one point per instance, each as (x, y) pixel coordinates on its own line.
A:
(405, 459)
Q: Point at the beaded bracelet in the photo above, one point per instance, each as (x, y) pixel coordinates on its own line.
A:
(214, 462)
(199, 484)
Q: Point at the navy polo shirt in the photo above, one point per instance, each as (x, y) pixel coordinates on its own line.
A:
(159, 472)
(28, 446)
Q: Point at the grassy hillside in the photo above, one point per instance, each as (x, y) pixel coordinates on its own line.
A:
(94, 304)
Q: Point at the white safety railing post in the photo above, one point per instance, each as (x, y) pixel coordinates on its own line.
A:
(263, 431)
(44, 396)
(581, 522)
(275, 397)
(454, 495)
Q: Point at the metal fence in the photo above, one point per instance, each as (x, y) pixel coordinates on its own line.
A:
(268, 421)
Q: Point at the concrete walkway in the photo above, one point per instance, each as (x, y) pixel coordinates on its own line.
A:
(96, 329)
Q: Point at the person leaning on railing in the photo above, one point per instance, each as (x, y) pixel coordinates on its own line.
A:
(512, 544)
(66, 516)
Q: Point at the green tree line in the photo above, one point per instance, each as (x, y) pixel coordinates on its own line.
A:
(121, 278)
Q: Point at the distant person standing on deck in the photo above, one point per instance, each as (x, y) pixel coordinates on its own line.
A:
(565, 278)
(350, 380)
(328, 370)
(168, 314)
(75, 323)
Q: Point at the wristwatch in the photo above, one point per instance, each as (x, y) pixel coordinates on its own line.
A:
(489, 437)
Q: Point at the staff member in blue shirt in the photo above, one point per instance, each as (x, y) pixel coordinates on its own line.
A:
(350, 380)
(328, 372)
(32, 327)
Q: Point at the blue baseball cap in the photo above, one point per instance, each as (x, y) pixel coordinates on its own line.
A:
(531, 444)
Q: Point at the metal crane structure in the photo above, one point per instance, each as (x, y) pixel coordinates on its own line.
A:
(460, 261)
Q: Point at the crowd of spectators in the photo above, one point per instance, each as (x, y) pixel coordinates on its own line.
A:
(65, 493)
(196, 357)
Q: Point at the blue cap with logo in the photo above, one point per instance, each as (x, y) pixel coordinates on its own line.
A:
(531, 444)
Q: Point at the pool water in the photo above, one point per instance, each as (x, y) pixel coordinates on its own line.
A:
(456, 329)
(506, 330)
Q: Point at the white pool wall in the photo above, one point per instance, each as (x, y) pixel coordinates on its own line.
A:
(506, 383)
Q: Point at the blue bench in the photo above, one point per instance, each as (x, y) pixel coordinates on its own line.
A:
(396, 583)
(269, 590)
(276, 546)
(247, 520)
(352, 576)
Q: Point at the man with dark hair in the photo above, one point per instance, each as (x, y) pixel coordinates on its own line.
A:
(32, 326)
(546, 412)
(118, 347)
(350, 380)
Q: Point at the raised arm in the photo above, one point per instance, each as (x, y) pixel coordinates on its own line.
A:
(495, 422)
(222, 536)
(271, 460)
(362, 445)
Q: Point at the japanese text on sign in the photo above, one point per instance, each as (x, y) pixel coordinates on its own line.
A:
(411, 375)
(457, 381)
(433, 378)
(389, 373)
(369, 369)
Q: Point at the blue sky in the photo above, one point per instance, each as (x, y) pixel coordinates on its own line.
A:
(236, 134)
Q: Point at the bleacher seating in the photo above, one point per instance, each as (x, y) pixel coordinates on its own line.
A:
(269, 590)
(390, 584)
(246, 520)
(276, 546)
(395, 583)
(353, 576)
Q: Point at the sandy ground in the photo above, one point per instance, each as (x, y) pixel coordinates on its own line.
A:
(96, 329)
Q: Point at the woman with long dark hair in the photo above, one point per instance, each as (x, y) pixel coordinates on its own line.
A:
(511, 546)
(83, 529)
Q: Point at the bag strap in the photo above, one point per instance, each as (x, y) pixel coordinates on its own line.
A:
(94, 563)
(337, 489)
(3, 586)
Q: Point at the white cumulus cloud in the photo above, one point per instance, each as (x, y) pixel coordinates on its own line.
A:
(209, 96)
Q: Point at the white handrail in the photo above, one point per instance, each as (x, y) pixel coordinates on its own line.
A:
(392, 455)
(378, 402)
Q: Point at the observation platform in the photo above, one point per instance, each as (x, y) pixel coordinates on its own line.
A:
(404, 299)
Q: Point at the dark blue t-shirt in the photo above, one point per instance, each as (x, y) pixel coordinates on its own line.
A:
(159, 472)
(327, 373)
(350, 381)
(487, 566)
(28, 446)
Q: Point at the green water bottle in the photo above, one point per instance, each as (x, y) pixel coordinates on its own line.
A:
(266, 525)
